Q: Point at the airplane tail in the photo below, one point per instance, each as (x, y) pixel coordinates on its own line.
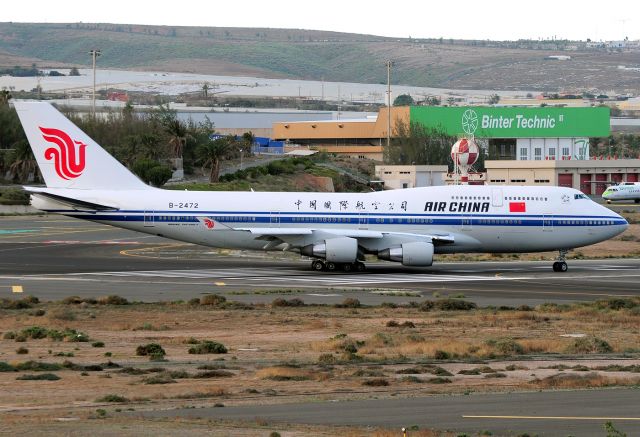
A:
(67, 157)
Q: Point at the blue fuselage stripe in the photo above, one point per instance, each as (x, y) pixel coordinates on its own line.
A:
(349, 219)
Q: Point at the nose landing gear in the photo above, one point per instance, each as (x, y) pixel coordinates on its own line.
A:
(561, 265)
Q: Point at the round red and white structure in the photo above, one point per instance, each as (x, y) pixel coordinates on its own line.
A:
(464, 153)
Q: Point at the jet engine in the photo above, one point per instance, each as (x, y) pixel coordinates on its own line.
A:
(409, 254)
(337, 250)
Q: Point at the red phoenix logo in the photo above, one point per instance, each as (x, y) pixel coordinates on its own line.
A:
(69, 159)
(208, 223)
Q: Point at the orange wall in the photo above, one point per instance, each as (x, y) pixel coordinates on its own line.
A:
(341, 128)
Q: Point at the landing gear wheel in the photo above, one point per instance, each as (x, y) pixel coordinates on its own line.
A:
(347, 267)
(317, 265)
(360, 267)
(331, 266)
(560, 266)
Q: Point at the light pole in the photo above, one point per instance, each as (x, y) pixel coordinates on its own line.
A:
(389, 63)
(241, 150)
(94, 54)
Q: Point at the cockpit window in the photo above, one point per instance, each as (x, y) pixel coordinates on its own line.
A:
(579, 196)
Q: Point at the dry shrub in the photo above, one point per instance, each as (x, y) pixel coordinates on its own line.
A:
(278, 373)
(213, 299)
(65, 314)
(318, 324)
(589, 345)
(543, 345)
(429, 348)
(572, 380)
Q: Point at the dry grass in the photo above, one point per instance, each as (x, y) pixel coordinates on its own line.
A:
(543, 346)
(261, 336)
(589, 380)
(284, 374)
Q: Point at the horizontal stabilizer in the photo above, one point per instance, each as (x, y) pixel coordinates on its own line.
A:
(77, 204)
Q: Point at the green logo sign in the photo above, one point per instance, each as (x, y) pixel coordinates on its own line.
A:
(469, 121)
(510, 122)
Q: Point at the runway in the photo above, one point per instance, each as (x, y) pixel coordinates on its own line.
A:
(552, 413)
(52, 257)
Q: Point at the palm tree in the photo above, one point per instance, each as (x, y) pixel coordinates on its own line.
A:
(177, 137)
(24, 163)
(212, 152)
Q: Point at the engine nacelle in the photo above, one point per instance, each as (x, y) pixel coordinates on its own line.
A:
(409, 254)
(337, 250)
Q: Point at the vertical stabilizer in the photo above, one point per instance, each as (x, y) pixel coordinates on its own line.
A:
(67, 157)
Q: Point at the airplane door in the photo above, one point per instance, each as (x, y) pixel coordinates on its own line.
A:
(274, 220)
(496, 197)
(547, 222)
(148, 219)
(466, 223)
(363, 221)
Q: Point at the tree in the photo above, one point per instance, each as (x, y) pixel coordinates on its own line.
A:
(403, 100)
(213, 152)
(415, 144)
(5, 96)
(23, 163)
(152, 172)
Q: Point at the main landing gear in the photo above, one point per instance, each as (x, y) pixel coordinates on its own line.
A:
(321, 266)
(561, 265)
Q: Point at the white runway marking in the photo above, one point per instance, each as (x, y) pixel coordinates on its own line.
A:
(292, 276)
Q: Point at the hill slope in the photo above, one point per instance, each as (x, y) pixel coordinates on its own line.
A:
(308, 54)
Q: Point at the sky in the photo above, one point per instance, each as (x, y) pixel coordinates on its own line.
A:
(462, 19)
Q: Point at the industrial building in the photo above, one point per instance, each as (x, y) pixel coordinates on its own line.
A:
(589, 176)
(537, 133)
(523, 145)
(410, 176)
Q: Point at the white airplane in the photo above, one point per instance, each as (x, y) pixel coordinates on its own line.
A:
(623, 191)
(337, 230)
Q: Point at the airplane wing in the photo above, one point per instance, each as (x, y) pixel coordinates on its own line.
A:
(298, 237)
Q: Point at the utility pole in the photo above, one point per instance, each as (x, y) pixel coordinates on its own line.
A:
(389, 63)
(94, 54)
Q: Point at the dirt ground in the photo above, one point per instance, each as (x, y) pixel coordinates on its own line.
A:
(280, 354)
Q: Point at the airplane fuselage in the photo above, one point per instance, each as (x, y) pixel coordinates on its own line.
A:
(477, 218)
(625, 191)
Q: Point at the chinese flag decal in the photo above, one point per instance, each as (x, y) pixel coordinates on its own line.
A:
(517, 207)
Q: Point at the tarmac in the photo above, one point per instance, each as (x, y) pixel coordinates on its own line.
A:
(52, 257)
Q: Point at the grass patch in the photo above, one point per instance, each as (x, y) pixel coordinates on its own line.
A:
(213, 374)
(112, 398)
(6, 367)
(438, 380)
(589, 345)
(162, 378)
(295, 302)
(572, 380)
(37, 366)
(376, 382)
(281, 373)
(39, 377)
